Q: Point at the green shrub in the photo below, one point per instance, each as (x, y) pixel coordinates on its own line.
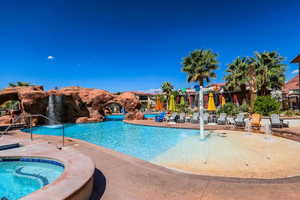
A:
(289, 113)
(229, 109)
(266, 105)
(244, 108)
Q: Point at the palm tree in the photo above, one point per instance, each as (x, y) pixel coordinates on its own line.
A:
(270, 72)
(237, 77)
(200, 66)
(260, 74)
(167, 89)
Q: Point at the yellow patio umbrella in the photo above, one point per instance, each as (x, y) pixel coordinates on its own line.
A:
(223, 101)
(211, 103)
(172, 106)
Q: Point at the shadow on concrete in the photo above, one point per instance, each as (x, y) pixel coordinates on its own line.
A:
(99, 185)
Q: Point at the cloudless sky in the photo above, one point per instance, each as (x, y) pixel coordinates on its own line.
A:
(135, 44)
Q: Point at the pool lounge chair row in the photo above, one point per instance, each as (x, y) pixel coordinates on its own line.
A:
(238, 122)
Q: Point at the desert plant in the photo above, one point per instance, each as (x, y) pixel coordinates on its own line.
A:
(266, 105)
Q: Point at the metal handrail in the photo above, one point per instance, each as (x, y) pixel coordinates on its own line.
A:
(30, 126)
(13, 123)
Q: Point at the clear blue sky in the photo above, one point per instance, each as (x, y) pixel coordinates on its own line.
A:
(136, 45)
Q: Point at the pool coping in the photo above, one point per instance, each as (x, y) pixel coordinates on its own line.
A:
(77, 175)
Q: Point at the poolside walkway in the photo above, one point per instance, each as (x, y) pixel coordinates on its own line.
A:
(122, 177)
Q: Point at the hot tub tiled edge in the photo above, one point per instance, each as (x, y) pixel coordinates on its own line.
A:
(76, 182)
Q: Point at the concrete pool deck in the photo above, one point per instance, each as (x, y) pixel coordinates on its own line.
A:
(122, 177)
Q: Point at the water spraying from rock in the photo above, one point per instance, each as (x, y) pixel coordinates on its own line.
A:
(54, 109)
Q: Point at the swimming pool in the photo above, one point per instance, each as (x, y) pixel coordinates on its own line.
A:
(222, 153)
(139, 141)
(22, 176)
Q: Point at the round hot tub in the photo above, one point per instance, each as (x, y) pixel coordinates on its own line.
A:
(20, 176)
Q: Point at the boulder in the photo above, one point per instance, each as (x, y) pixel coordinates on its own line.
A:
(128, 100)
(134, 116)
(89, 119)
(6, 119)
(139, 116)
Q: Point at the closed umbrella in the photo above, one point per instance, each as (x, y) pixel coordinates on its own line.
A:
(158, 106)
(182, 102)
(235, 100)
(172, 106)
(223, 101)
(211, 103)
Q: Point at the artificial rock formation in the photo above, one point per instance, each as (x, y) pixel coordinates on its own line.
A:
(79, 104)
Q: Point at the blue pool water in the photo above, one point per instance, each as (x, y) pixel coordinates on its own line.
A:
(139, 141)
(121, 117)
(19, 178)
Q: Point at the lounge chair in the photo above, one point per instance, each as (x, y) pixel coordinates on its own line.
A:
(239, 121)
(181, 118)
(276, 122)
(255, 121)
(205, 118)
(222, 119)
(195, 118)
(173, 117)
(160, 117)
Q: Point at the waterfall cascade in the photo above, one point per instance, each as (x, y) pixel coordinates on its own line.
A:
(54, 109)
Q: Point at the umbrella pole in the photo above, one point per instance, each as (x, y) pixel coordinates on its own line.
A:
(201, 122)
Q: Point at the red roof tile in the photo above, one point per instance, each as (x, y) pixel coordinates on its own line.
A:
(296, 60)
(292, 84)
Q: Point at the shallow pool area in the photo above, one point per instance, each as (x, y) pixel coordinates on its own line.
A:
(22, 176)
(222, 153)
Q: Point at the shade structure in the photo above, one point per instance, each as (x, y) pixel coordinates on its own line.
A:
(158, 105)
(211, 103)
(172, 106)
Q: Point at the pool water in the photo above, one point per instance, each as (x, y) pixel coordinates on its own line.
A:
(19, 178)
(139, 141)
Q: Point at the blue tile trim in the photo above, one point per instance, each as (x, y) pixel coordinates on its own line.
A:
(53, 162)
(43, 179)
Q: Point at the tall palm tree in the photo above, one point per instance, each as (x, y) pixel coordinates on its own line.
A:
(237, 77)
(260, 74)
(200, 66)
(270, 72)
(167, 89)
